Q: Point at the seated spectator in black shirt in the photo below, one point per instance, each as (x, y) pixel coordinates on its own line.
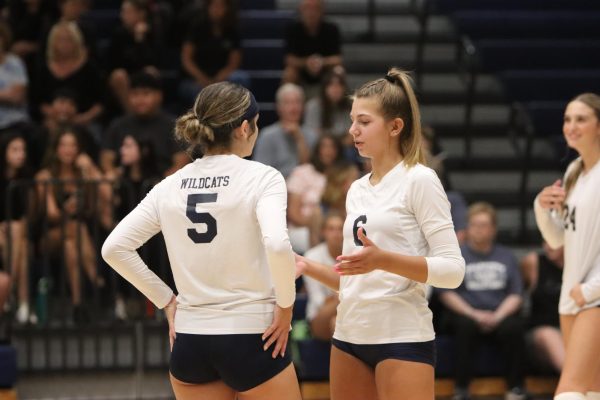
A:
(62, 114)
(312, 45)
(211, 51)
(145, 121)
(68, 66)
(134, 46)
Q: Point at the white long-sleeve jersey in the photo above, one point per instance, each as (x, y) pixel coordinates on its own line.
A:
(406, 212)
(577, 227)
(224, 223)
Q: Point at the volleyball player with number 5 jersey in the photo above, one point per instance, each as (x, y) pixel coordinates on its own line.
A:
(398, 236)
(223, 219)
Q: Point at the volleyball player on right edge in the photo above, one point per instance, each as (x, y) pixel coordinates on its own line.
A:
(570, 215)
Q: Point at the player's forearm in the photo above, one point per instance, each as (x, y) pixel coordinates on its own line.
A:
(411, 267)
(281, 264)
(322, 273)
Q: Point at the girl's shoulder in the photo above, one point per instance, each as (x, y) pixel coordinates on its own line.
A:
(422, 175)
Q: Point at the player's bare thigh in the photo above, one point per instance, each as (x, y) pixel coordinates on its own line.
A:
(216, 390)
(350, 378)
(583, 347)
(566, 325)
(283, 386)
(399, 379)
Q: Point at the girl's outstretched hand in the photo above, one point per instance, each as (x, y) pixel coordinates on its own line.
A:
(363, 261)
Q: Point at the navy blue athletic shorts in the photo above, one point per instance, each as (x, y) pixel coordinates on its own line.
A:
(373, 354)
(238, 360)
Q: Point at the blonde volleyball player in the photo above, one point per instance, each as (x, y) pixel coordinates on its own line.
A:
(571, 216)
(398, 236)
(223, 220)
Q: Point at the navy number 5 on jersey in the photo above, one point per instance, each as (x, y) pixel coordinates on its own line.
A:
(201, 217)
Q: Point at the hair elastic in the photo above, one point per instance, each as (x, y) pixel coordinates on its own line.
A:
(389, 79)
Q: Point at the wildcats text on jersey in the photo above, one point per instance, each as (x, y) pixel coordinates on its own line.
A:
(205, 183)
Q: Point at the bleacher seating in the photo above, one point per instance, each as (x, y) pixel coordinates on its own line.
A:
(261, 54)
(503, 54)
(265, 84)
(540, 48)
(261, 24)
(550, 85)
(511, 24)
(545, 52)
(449, 6)
(257, 4)
(488, 360)
(544, 93)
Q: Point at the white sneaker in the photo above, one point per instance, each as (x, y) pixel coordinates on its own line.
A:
(23, 313)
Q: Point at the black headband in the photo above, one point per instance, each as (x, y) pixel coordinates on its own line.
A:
(252, 109)
(249, 114)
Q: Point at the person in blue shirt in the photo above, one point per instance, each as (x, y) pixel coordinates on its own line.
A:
(487, 303)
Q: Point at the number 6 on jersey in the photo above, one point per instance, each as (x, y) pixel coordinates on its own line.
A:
(201, 217)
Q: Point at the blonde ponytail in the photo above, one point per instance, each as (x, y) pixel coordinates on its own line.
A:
(411, 147)
(571, 179)
(397, 99)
